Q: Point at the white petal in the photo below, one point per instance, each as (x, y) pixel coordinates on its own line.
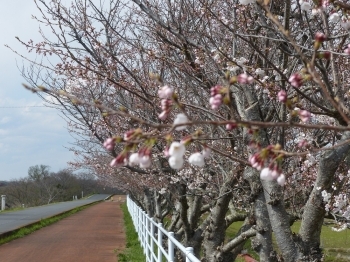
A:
(176, 162)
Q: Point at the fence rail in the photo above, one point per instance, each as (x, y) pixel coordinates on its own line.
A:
(152, 235)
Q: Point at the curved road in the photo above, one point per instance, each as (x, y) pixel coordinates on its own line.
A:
(13, 220)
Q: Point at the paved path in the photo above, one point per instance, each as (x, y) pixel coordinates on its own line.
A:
(91, 235)
(12, 220)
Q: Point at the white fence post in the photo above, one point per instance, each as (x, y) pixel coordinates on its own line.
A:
(151, 239)
(160, 242)
(147, 229)
(189, 250)
(147, 237)
(171, 247)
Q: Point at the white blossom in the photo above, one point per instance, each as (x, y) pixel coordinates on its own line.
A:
(281, 180)
(177, 149)
(245, 2)
(180, 119)
(334, 18)
(145, 161)
(266, 174)
(305, 6)
(176, 162)
(345, 24)
(259, 72)
(196, 159)
(134, 159)
(206, 152)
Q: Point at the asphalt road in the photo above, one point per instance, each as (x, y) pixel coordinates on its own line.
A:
(13, 220)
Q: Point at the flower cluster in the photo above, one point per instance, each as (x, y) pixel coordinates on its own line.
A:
(282, 96)
(141, 158)
(165, 93)
(269, 175)
(215, 100)
(177, 151)
(296, 80)
(272, 171)
(245, 79)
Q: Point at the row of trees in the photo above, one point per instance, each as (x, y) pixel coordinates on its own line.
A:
(43, 187)
(211, 112)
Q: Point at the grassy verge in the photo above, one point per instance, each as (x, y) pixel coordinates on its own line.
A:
(336, 245)
(133, 251)
(21, 232)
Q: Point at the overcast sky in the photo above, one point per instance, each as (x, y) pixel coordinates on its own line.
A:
(29, 135)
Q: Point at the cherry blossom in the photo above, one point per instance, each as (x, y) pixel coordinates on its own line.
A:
(266, 174)
(281, 180)
(145, 161)
(334, 18)
(180, 119)
(134, 159)
(176, 149)
(347, 50)
(246, 2)
(176, 162)
(282, 96)
(245, 79)
(165, 92)
(295, 80)
(304, 115)
(206, 152)
(196, 159)
(305, 5)
(109, 144)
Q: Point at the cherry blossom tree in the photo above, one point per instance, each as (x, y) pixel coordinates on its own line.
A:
(209, 112)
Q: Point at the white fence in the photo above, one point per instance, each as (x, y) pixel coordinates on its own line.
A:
(152, 235)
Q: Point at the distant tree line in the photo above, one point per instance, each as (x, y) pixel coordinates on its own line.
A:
(42, 187)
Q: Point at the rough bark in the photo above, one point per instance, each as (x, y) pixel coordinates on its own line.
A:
(313, 215)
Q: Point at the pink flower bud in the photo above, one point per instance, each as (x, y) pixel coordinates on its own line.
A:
(245, 79)
(347, 50)
(295, 80)
(282, 96)
(119, 161)
(231, 126)
(109, 144)
(302, 143)
(163, 115)
(304, 115)
(165, 92)
(320, 37)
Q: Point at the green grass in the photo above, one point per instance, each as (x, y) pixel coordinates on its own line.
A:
(7, 237)
(133, 251)
(336, 245)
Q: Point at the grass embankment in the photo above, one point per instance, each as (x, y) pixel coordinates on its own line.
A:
(133, 251)
(21, 232)
(336, 245)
